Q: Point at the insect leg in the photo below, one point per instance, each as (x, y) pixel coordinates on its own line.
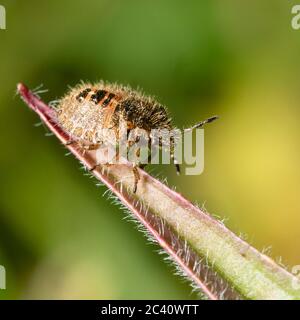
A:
(202, 123)
(84, 146)
(135, 166)
(93, 146)
(89, 147)
(69, 142)
(152, 153)
(136, 177)
(172, 154)
(177, 166)
(143, 165)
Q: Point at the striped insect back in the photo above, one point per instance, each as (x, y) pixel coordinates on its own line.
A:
(106, 100)
(83, 94)
(100, 97)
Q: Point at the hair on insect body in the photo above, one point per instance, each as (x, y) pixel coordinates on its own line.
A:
(92, 114)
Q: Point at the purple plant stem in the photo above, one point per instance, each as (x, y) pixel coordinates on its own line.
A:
(200, 261)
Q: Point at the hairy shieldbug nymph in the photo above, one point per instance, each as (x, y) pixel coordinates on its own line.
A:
(91, 113)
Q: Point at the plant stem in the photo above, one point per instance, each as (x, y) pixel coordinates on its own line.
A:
(218, 262)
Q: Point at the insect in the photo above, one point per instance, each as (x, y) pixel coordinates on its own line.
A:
(88, 108)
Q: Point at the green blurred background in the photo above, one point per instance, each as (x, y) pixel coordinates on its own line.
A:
(59, 238)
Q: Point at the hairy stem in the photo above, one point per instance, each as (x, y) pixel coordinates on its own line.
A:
(218, 262)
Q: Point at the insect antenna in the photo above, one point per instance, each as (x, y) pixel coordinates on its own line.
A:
(202, 123)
